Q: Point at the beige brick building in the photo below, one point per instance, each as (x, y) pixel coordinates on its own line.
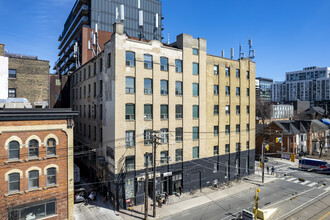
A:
(203, 106)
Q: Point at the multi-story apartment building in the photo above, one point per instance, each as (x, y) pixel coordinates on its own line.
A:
(83, 18)
(36, 164)
(263, 89)
(310, 84)
(203, 106)
(281, 111)
(23, 71)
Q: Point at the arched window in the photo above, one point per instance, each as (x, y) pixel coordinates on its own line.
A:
(51, 176)
(51, 147)
(13, 150)
(33, 148)
(33, 179)
(13, 182)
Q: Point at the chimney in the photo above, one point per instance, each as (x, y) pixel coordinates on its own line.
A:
(118, 28)
(2, 49)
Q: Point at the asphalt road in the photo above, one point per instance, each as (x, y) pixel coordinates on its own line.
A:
(286, 195)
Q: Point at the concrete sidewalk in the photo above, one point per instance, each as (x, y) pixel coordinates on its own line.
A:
(177, 204)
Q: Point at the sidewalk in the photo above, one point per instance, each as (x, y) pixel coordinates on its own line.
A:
(186, 201)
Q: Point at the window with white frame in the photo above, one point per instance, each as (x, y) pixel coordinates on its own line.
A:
(51, 147)
(33, 179)
(13, 150)
(51, 176)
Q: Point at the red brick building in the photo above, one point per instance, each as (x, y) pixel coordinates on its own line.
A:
(36, 163)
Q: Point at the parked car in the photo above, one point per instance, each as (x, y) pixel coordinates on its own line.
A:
(258, 158)
(79, 195)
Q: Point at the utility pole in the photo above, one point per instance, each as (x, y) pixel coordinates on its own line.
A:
(263, 161)
(155, 142)
(146, 189)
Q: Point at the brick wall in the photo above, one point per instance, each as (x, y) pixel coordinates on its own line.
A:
(60, 192)
(2, 49)
(32, 79)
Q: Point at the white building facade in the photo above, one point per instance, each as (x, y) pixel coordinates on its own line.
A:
(310, 84)
(3, 74)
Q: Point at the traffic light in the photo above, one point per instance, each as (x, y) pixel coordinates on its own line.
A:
(292, 157)
(276, 140)
(261, 164)
(267, 147)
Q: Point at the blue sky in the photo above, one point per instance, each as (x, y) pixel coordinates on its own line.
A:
(287, 34)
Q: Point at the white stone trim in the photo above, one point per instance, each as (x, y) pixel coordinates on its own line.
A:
(51, 166)
(50, 136)
(31, 138)
(32, 168)
(13, 171)
(13, 138)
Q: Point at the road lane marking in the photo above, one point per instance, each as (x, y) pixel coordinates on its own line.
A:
(304, 183)
(291, 179)
(312, 184)
(283, 178)
(296, 181)
(327, 189)
(324, 216)
(320, 186)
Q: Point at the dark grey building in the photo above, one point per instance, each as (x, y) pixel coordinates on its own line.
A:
(263, 89)
(76, 44)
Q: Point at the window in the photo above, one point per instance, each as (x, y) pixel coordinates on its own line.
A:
(164, 135)
(178, 155)
(238, 74)
(89, 90)
(195, 133)
(178, 66)
(130, 163)
(164, 64)
(227, 90)
(247, 127)
(164, 157)
(238, 110)
(164, 111)
(195, 152)
(215, 168)
(33, 179)
(33, 148)
(51, 176)
(216, 130)
(51, 147)
(247, 74)
(109, 60)
(12, 74)
(147, 86)
(94, 89)
(216, 90)
(227, 129)
(195, 51)
(247, 109)
(227, 71)
(13, 150)
(248, 145)
(11, 93)
(178, 111)
(147, 112)
(84, 74)
(238, 128)
(13, 182)
(129, 138)
(215, 150)
(216, 69)
(163, 87)
(147, 137)
(227, 148)
(195, 89)
(178, 134)
(148, 157)
(89, 71)
(147, 61)
(238, 91)
(247, 92)
(195, 111)
(84, 91)
(216, 110)
(178, 88)
(130, 59)
(195, 67)
(130, 85)
(94, 70)
(130, 112)
(227, 109)
(238, 147)
(89, 111)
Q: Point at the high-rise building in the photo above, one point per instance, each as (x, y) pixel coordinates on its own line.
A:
(76, 42)
(310, 84)
(263, 89)
(202, 105)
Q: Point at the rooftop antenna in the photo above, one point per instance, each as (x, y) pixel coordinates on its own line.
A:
(141, 24)
(241, 54)
(139, 4)
(122, 13)
(251, 51)
(117, 14)
(232, 53)
(168, 38)
(156, 26)
(222, 53)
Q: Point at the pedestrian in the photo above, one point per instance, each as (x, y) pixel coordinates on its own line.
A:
(267, 169)
(166, 198)
(180, 189)
(273, 170)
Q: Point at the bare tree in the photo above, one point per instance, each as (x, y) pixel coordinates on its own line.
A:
(263, 110)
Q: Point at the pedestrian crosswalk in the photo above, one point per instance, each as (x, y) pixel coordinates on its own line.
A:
(306, 183)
